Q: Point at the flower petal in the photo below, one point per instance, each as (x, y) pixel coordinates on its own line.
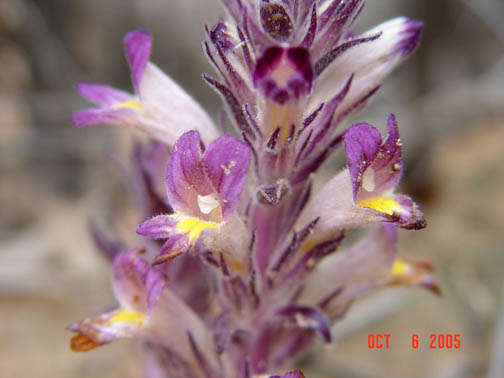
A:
(185, 175)
(370, 62)
(226, 163)
(111, 116)
(102, 95)
(362, 142)
(158, 227)
(173, 108)
(129, 274)
(138, 46)
(148, 311)
(357, 270)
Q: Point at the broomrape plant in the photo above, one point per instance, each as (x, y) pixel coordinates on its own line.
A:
(244, 270)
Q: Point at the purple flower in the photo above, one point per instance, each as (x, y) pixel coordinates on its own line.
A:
(239, 274)
(203, 188)
(148, 311)
(159, 106)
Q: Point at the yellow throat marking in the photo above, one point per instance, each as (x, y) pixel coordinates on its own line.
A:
(128, 317)
(129, 104)
(400, 268)
(383, 205)
(194, 227)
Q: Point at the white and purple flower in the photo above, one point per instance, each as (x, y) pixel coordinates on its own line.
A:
(240, 273)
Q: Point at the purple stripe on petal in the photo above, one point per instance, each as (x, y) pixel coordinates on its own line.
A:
(155, 282)
(102, 95)
(362, 142)
(185, 175)
(226, 163)
(93, 116)
(388, 165)
(329, 57)
(411, 36)
(138, 46)
(129, 274)
(374, 171)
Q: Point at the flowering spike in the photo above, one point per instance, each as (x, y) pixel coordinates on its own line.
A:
(237, 280)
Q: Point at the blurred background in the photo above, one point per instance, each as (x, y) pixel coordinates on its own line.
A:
(449, 99)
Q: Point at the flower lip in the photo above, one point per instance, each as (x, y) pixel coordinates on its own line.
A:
(284, 73)
(375, 166)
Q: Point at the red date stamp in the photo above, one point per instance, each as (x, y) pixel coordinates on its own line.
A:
(379, 341)
(439, 341)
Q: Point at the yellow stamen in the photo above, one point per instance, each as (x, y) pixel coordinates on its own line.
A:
(129, 104)
(383, 205)
(400, 268)
(194, 227)
(128, 317)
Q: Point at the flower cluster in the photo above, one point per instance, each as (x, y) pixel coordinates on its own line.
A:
(241, 267)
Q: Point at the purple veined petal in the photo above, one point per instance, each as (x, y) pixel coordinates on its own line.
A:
(185, 175)
(128, 280)
(138, 46)
(342, 212)
(226, 163)
(148, 166)
(172, 107)
(357, 270)
(158, 227)
(155, 282)
(149, 312)
(175, 246)
(362, 142)
(99, 116)
(103, 95)
(334, 21)
(375, 167)
(175, 326)
(370, 62)
(384, 172)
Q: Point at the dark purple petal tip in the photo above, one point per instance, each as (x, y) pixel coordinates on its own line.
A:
(284, 73)
(410, 37)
